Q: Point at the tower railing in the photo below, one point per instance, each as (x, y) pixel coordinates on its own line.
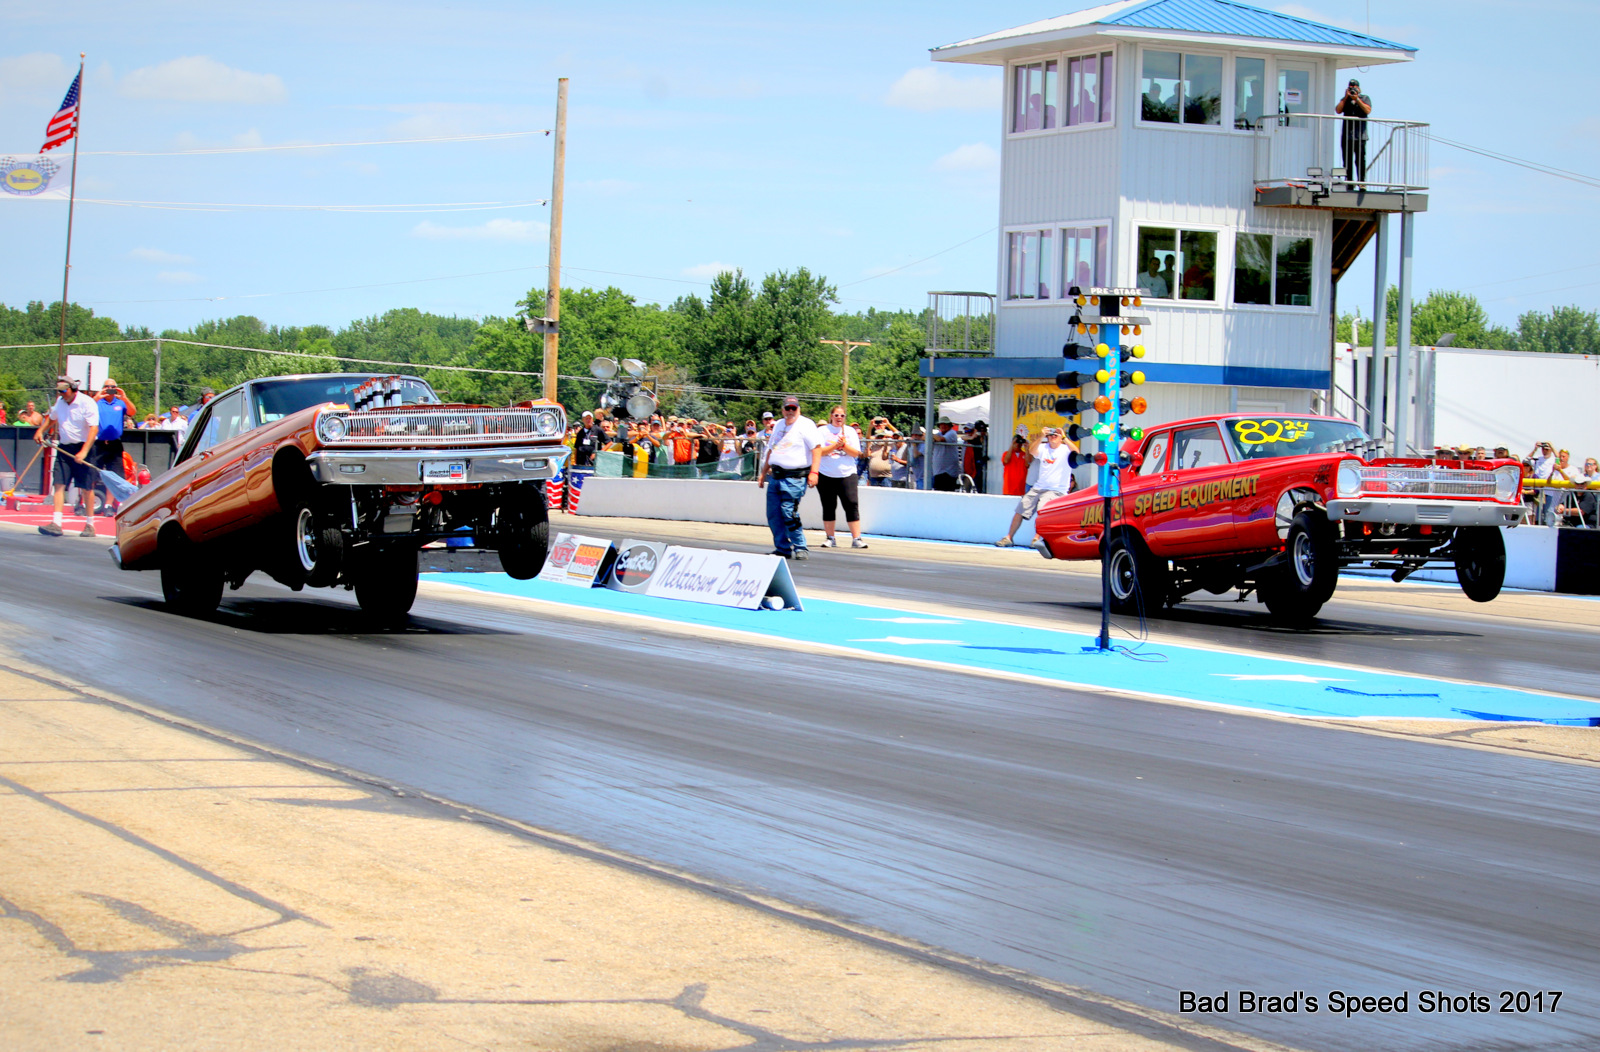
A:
(1303, 148)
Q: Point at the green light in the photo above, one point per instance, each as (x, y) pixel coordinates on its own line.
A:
(1102, 431)
(1137, 434)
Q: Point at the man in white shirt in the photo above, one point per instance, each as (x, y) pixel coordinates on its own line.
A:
(792, 457)
(1051, 454)
(74, 421)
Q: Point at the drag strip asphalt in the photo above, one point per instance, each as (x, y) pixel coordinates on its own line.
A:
(1123, 846)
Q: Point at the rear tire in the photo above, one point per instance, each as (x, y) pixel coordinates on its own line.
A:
(386, 585)
(524, 532)
(1480, 561)
(1296, 591)
(191, 581)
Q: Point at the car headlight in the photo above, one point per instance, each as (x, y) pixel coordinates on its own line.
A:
(1349, 484)
(1507, 481)
(545, 422)
(331, 427)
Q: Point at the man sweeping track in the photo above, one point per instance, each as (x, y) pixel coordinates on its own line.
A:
(74, 420)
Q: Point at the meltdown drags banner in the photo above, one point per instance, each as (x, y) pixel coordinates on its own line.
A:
(36, 175)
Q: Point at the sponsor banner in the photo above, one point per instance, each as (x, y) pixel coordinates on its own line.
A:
(37, 175)
(637, 562)
(1035, 406)
(576, 559)
(722, 578)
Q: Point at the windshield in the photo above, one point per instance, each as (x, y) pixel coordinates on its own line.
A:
(276, 399)
(1258, 437)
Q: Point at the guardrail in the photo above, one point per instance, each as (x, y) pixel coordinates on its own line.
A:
(1306, 147)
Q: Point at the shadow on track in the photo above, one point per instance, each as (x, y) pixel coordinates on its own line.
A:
(310, 617)
(1252, 617)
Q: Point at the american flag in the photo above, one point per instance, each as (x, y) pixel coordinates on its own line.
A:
(64, 125)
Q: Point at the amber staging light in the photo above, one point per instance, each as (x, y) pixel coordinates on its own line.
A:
(1102, 405)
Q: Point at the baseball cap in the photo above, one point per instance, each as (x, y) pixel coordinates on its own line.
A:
(791, 402)
(1354, 83)
(767, 415)
(588, 412)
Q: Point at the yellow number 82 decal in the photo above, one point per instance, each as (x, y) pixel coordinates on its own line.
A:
(1262, 432)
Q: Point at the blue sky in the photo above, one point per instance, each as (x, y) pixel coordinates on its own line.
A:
(700, 136)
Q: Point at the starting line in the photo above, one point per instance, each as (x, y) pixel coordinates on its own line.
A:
(1184, 673)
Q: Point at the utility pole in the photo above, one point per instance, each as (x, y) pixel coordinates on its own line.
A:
(557, 183)
(847, 346)
(155, 398)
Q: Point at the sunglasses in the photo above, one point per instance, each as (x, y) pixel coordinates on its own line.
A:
(791, 409)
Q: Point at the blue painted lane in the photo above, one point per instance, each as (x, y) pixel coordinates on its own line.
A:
(1267, 684)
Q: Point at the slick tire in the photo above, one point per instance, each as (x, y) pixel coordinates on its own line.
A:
(191, 581)
(386, 585)
(1296, 591)
(1480, 561)
(524, 532)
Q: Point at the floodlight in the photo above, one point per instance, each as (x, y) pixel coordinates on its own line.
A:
(603, 368)
(633, 367)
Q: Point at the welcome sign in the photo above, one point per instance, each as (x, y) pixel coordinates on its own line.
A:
(721, 578)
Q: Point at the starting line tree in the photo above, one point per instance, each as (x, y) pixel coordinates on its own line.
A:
(1098, 326)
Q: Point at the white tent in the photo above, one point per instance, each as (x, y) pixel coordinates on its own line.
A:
(967, 410)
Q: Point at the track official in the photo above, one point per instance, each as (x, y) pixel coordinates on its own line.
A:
(793, 457)
(75, 420)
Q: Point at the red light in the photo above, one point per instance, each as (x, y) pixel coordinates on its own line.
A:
(1099, 458)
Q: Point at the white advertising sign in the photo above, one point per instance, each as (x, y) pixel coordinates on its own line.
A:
(90, 370)
(637, 562)
(576, 559)
(722, 578)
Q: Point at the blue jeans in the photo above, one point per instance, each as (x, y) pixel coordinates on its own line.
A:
(884, 481)
(783, 513)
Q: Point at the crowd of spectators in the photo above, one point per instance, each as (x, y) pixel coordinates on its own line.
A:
(884, 455)
(1559, 505)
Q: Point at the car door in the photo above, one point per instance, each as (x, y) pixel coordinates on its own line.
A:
(1189, 513)
(214, 497)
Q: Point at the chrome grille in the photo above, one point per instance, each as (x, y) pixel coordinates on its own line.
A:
(1427, 482)
(444, 427)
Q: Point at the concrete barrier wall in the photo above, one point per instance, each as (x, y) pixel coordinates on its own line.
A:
(971, 517)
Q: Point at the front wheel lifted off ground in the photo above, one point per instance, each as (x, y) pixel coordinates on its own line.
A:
(1480, 561)
(524, 532)
(191, 581)
(386, 585)
(1295, 591)
(1138, 584)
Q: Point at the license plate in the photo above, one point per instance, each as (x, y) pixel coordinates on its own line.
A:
(444, 471)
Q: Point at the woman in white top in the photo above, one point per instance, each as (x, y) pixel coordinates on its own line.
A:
(837, 478)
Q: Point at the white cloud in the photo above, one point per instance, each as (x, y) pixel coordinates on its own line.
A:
(34, 76)
(155, 255)
(178, 277)
(493, 230)
(974, 157)
(201, 79)
(930, 88)
(707, 271)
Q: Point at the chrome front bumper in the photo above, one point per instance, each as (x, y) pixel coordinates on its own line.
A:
(1402, 512)
(393, 467)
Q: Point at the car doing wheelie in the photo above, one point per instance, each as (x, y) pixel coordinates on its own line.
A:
(1279, 505)
(339, 479)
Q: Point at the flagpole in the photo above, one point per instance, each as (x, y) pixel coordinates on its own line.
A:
(72, 199)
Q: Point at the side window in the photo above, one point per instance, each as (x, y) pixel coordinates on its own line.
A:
(1155, 456)
(1197, 447)
(224, 418)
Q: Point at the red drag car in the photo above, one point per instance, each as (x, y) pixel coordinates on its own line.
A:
(339, 479)
(1278, 505)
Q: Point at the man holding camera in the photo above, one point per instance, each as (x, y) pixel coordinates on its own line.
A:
(1354, 107)
(1052, 452)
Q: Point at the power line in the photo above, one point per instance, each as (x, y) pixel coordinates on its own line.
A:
(924, 259)
(360, 209)
(1532, 166)
(312, 145)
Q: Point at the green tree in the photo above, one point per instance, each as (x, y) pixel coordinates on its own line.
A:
(1564, 330)
(1442, 312)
